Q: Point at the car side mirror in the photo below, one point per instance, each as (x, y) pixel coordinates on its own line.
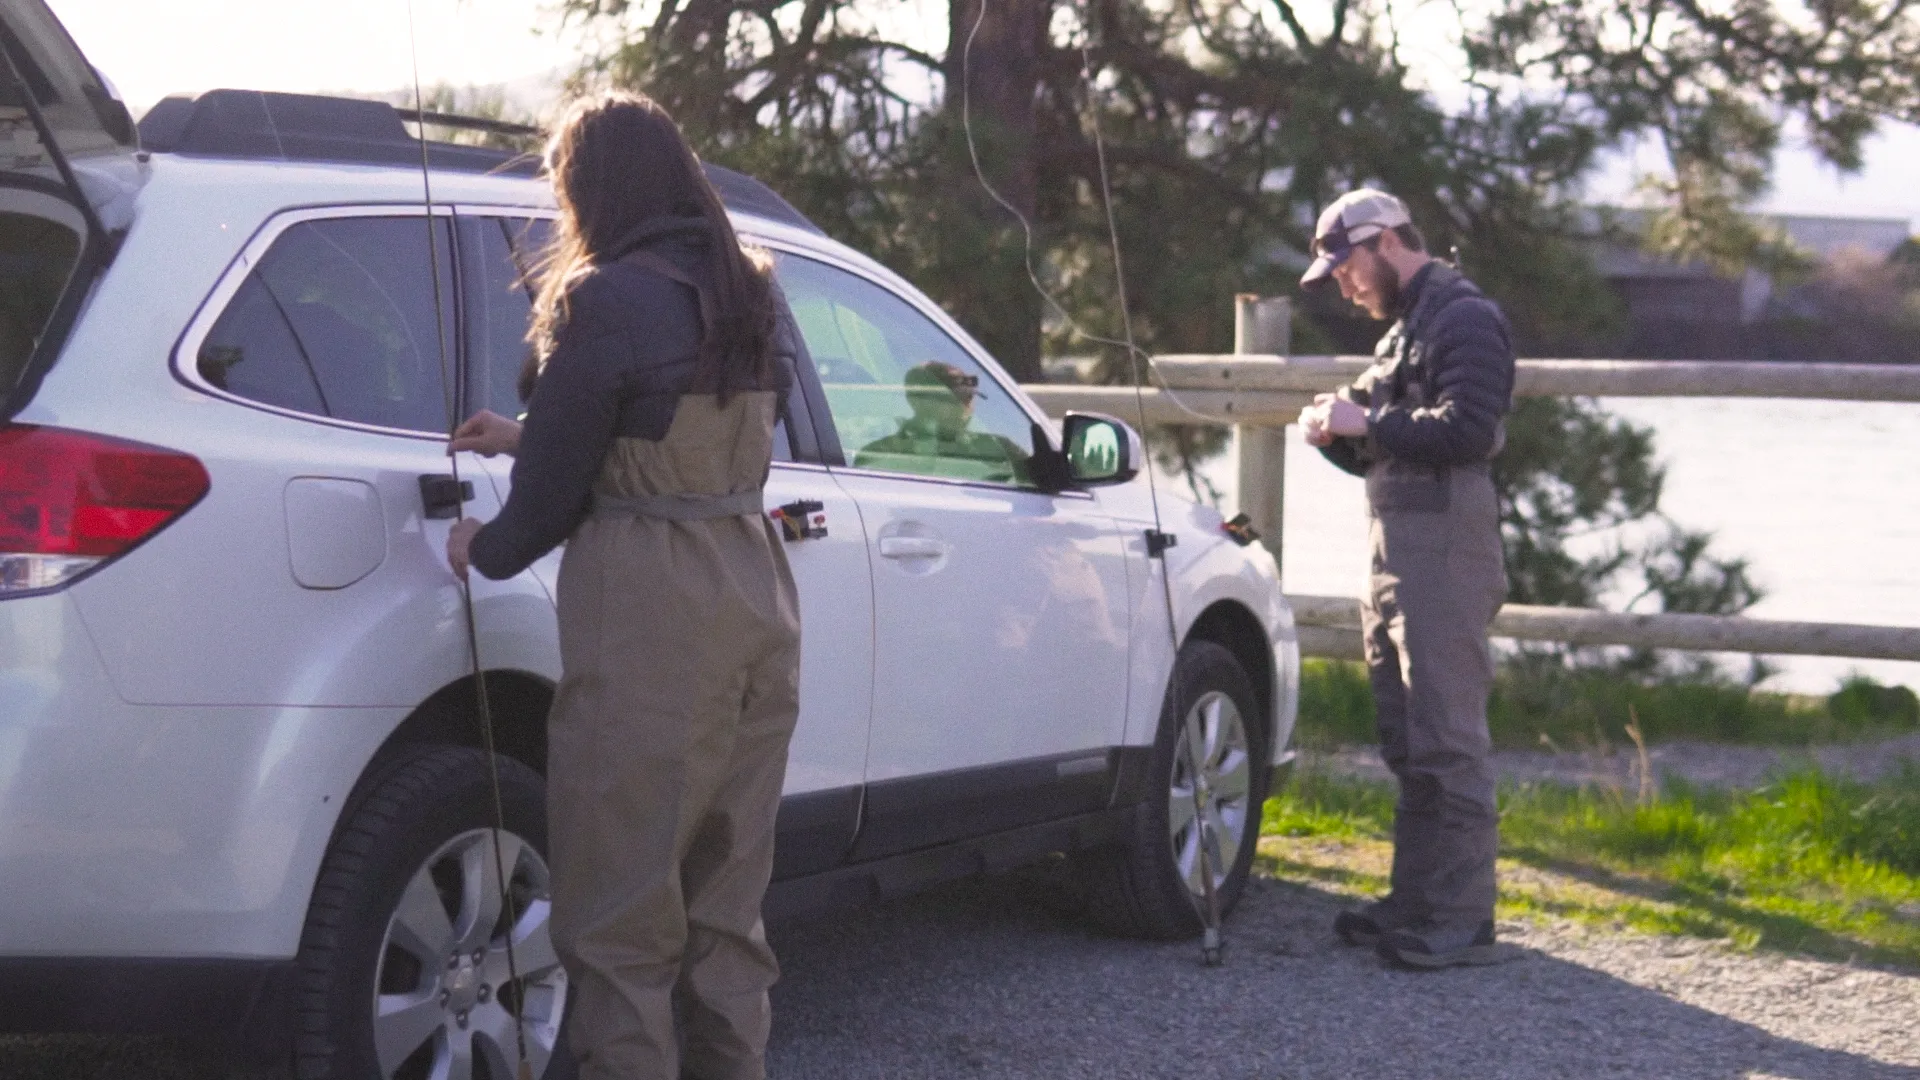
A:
(1100, 450)
(1048, 467)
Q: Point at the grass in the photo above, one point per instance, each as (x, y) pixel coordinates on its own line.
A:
(1810, 863)
(1587, 709)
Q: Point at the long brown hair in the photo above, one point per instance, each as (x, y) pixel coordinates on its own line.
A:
(618, 164)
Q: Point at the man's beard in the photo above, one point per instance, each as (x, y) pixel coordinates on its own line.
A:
(1385, 282)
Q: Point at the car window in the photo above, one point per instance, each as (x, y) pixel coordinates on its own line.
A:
(251, 352)
(499, 307)
(37, 257)
(339, 318)
(507, 252)
(905, 397)
(530, 237)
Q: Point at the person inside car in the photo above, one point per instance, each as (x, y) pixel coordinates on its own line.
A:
(940, 429)
(662, 353)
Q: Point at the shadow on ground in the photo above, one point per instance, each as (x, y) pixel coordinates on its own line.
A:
(1707, 906)
(999, 978)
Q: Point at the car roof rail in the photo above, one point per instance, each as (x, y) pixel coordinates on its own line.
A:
(469, 123)
(259, 125)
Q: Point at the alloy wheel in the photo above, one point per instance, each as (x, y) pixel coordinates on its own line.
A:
(1214, 806)
(444, 1000)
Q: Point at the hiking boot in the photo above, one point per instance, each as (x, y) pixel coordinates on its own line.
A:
(1430, 945)
(1369, 924)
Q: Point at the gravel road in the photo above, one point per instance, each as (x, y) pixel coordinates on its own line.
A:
(993, 979)
(997, 978)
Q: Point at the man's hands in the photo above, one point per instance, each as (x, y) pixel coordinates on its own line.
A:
(486, 433)
(1330, 417)
(459, 539)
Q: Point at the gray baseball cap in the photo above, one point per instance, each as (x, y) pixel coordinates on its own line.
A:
(1353, 218)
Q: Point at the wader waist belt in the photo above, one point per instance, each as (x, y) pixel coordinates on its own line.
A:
(680, 507)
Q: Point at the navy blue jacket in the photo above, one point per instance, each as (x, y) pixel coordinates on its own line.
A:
(1441, 383)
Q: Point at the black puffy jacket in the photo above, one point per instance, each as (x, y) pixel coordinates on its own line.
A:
(1441, 383)
(623, 359)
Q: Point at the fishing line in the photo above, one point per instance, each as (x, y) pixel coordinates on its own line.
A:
(1136, 356)
(450, 387)
(1207, 907)
(1134, 353)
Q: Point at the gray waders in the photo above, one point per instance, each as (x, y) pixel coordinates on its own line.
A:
(1437, 579)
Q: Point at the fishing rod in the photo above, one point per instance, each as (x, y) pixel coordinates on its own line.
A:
(450, 385)
(1212, 945)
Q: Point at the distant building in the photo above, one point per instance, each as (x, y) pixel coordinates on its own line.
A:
(1678, 310)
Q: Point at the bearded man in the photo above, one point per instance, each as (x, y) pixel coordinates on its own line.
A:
(1422, 425)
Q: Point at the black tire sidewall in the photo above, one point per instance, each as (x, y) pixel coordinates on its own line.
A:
(1201, 668)
(413, 808)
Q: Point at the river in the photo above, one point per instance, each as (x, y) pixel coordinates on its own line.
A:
(1821, 497)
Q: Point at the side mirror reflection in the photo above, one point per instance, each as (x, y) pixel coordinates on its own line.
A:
(1100, 449)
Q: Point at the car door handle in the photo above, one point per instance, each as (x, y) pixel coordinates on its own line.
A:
(441, 498)
(911, 547)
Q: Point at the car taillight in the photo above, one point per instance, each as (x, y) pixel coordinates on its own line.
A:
(70, 501)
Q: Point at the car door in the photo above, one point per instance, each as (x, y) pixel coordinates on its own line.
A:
(1000, 610)
(828, 553)
(323, 350)
(51, 238)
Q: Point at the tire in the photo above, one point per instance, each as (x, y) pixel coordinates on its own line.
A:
(408, 897)
(1150, 885)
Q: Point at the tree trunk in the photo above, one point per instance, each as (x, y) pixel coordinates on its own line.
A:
(994, 83)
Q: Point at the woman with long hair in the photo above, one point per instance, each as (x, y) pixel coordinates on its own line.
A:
(661, 353)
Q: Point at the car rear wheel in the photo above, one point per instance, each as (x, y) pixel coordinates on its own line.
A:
(404, 963)
(1207, 783)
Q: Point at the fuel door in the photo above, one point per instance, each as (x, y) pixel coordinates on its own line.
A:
(336, 531)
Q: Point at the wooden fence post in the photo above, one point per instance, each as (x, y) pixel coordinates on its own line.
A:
(1263, 325)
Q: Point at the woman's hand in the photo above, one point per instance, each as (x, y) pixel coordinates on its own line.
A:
(486, 433)
(459, 540)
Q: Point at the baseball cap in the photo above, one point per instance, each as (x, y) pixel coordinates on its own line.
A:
(1353, 218)
(933, 373)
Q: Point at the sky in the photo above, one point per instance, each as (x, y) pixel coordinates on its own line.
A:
(150, 49)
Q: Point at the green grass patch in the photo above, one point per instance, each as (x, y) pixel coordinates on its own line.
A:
(1569, 710)
(1809, 863)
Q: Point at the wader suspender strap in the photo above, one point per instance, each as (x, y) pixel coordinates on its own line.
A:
(707, 359)
(1424, 310)
(683, 506)
(704, 369)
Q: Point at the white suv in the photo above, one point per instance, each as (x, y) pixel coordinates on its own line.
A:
(241, 789)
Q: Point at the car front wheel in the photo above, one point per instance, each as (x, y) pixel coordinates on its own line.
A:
(1201, 814)
(404, 970)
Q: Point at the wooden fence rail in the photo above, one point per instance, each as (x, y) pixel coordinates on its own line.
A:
(1271, 390)
(1330, 626)
(1558, 378)
(1262, 391)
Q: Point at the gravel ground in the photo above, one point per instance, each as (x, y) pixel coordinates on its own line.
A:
(1708, 764)
(998, 978)
(995, 979)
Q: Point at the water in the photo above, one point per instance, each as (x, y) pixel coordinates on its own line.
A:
(1821, 497)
